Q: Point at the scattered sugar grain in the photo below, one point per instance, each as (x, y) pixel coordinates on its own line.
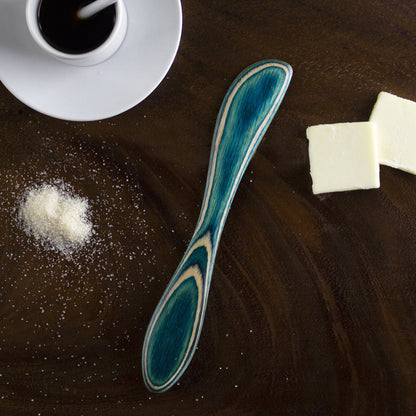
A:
(53, 215)
(99, 273)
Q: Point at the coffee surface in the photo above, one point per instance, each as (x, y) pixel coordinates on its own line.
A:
(66, 32)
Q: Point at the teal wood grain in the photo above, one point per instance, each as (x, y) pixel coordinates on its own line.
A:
(246, 112)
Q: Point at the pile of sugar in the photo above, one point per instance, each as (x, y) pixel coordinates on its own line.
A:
(55, 217)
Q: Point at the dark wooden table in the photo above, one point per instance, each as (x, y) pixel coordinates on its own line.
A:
(312, 306)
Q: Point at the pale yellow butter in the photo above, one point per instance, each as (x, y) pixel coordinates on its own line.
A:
(396, 131)
(343, 157)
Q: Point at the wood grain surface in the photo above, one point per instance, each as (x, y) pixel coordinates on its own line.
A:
(312, 302)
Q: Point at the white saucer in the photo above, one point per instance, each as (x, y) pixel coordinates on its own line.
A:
(90, 93)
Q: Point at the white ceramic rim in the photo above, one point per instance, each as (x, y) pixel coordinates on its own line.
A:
(100, 54)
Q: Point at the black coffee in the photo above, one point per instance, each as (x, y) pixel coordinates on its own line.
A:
(66, 32)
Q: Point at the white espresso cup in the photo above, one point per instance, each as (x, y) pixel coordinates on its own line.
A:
(96, 56)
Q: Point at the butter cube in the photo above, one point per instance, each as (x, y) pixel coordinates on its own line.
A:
(343, 157)
(396, 131)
